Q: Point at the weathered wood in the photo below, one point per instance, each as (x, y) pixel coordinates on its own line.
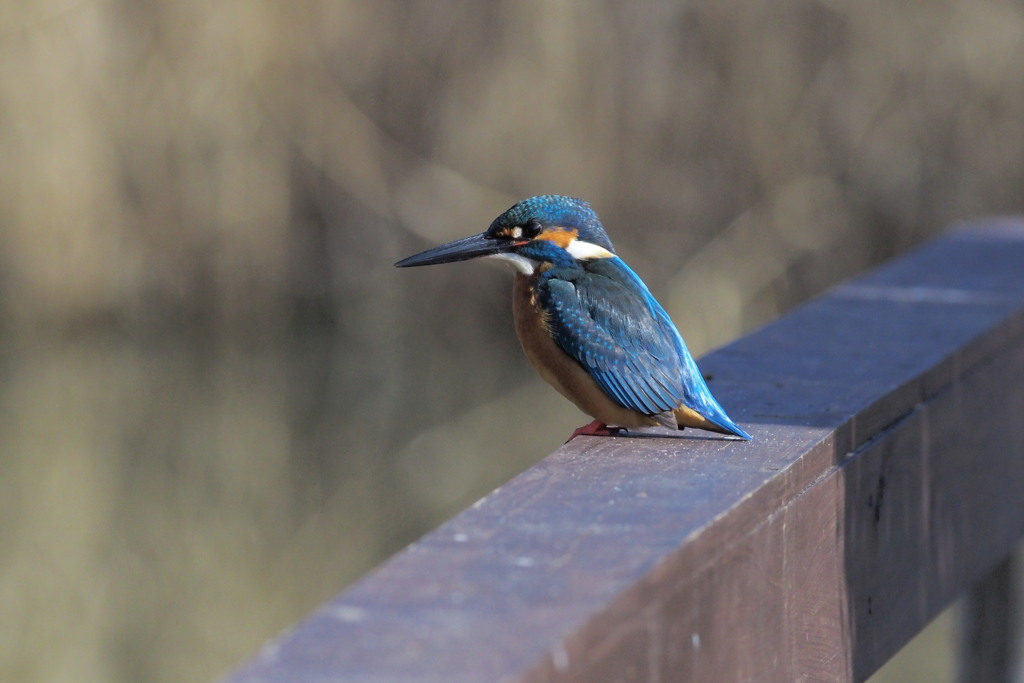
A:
(885, 478)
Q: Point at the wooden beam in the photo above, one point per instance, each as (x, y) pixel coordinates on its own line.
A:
(886, 477)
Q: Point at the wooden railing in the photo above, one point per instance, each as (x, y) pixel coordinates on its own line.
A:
(886, 479)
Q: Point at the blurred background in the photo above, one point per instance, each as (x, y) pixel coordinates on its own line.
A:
(220, 403)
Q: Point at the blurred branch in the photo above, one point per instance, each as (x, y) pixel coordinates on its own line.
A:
(359, 155)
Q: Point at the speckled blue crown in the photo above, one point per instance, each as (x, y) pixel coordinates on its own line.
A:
(557, 210)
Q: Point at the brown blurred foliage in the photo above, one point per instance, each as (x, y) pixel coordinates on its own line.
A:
(219, 400)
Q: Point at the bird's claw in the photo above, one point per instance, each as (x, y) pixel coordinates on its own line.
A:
(595, 428)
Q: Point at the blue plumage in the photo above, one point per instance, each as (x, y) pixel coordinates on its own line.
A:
(604, 317)
(583, 300)
(552, 209)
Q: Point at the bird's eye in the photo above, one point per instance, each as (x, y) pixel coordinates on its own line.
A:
(532, 228)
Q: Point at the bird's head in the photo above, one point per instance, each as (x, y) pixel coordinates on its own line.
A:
(527, 234)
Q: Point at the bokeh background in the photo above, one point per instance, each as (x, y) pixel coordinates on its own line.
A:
(219, 403)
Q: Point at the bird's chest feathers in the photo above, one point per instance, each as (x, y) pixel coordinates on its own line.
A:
(556, 367)
(534, 334)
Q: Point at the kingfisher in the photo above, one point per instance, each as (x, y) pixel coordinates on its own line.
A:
(587, 322)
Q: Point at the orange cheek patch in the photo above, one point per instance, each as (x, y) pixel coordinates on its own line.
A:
(559, 236)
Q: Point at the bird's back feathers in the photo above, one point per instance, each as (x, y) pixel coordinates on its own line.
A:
(602, 315)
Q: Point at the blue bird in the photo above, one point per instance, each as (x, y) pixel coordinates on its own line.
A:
(588, 323)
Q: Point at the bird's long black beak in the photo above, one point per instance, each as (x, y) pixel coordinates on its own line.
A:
(459, 250)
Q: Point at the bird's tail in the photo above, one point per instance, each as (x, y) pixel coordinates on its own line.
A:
(711, 417)
(699, 407)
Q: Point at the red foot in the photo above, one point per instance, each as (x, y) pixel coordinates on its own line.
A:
(595, 428)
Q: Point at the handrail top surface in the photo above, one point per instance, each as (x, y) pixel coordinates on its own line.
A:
(496, 589)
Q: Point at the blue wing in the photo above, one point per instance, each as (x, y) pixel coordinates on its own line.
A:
(603, 316)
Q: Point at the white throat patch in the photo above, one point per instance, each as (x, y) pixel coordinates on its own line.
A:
(522, 264)
(578, 249)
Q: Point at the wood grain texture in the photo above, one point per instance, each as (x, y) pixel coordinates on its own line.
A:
(885, 478)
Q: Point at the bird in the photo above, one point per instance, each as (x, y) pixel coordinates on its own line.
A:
(588, 324)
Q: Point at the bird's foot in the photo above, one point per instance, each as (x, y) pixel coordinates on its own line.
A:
(595, 428)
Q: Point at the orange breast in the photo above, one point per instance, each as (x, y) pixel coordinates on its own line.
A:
(559, 369)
